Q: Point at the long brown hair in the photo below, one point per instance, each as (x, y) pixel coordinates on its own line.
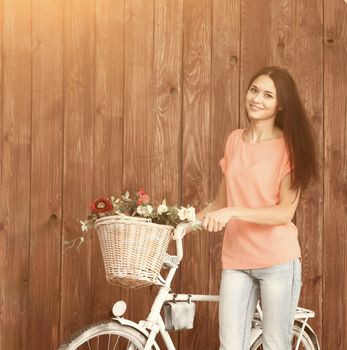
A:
(297, 129)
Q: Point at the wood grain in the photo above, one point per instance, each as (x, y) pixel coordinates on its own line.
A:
(108, 132)
(139, 122)
(197, 18)
(335, 177)
(2, 196)
(309, 77)
(46, 175)
(255, 44)
(76, 291)
(224, 119)
(166, 167)
(15, 179)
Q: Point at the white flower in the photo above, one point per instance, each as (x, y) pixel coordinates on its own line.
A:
(144, 210)
(141, 210)
(182, 213)
(126, 195)
(191, 214)
(162, 208)
(84, 226)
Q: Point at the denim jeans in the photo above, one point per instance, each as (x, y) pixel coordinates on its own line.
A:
(278, 288)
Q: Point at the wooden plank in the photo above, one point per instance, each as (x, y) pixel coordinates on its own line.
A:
(196, 157)
(1, 114)
(283, 33)
(224, 119)
(167, 124)
(254, 42)
(309, 78)
(2, 195)
(335, 180)
(15, 178)
(78, 161)
(138, 118)
(268, 40)
(168, 32)
(108, 132)
(46, 175)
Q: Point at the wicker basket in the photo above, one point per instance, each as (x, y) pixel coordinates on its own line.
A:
(133, 249)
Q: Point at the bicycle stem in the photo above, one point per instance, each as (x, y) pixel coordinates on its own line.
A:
(180, 232)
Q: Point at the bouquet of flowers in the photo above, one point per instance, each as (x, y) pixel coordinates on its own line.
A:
(140, 205)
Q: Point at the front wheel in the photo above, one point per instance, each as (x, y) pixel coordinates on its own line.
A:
(306, 342)
(106, 335)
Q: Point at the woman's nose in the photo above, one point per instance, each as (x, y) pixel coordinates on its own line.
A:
(257, 98)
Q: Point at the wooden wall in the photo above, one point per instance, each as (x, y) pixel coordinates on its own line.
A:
(97, 97)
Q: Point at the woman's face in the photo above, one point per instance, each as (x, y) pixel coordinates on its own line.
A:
(261, 99)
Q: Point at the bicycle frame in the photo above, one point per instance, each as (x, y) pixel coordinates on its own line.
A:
(154, 323)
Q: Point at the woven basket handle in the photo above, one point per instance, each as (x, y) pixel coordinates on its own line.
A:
(109, 219)
(133, 218)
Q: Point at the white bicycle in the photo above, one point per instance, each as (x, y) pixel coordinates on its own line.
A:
(119, 333)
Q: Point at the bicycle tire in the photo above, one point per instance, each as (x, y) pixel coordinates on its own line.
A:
(306, 342)
(105, 335)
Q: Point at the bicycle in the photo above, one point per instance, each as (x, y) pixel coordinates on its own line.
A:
(121, 333)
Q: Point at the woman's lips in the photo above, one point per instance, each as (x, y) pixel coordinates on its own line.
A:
(255, 108)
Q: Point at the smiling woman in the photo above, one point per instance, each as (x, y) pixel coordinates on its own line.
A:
(256, 202)
(261, 99)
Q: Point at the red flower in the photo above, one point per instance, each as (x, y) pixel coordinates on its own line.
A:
(144, 199)
(101, 205)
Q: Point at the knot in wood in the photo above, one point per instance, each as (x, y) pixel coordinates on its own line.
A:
(281, 45)
(233, 60)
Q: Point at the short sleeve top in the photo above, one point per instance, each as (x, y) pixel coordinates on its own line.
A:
(253, 173)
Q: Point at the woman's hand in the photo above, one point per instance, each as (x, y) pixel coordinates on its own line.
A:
(215, 221)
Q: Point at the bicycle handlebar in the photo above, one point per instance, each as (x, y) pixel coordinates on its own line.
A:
(180, 231)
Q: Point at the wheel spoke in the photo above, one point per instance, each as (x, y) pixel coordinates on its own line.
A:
(106, 335)
(109, 342)
(115, 345)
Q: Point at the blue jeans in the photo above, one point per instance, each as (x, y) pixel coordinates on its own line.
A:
(278, 288)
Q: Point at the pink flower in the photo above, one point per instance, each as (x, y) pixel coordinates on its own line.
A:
(144, 199)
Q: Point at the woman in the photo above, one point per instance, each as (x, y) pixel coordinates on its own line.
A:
(265, 167)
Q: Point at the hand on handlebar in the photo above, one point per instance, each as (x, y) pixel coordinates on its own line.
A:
(216, 220)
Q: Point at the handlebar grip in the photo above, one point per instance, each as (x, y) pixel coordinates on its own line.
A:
(182, 229)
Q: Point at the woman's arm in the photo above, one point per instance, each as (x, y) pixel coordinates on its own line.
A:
(279, 214)
(218, 203)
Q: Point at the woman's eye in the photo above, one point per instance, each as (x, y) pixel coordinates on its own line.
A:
(268, 96)
(253, 89)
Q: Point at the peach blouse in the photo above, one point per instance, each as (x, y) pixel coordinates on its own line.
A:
(253, 173)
